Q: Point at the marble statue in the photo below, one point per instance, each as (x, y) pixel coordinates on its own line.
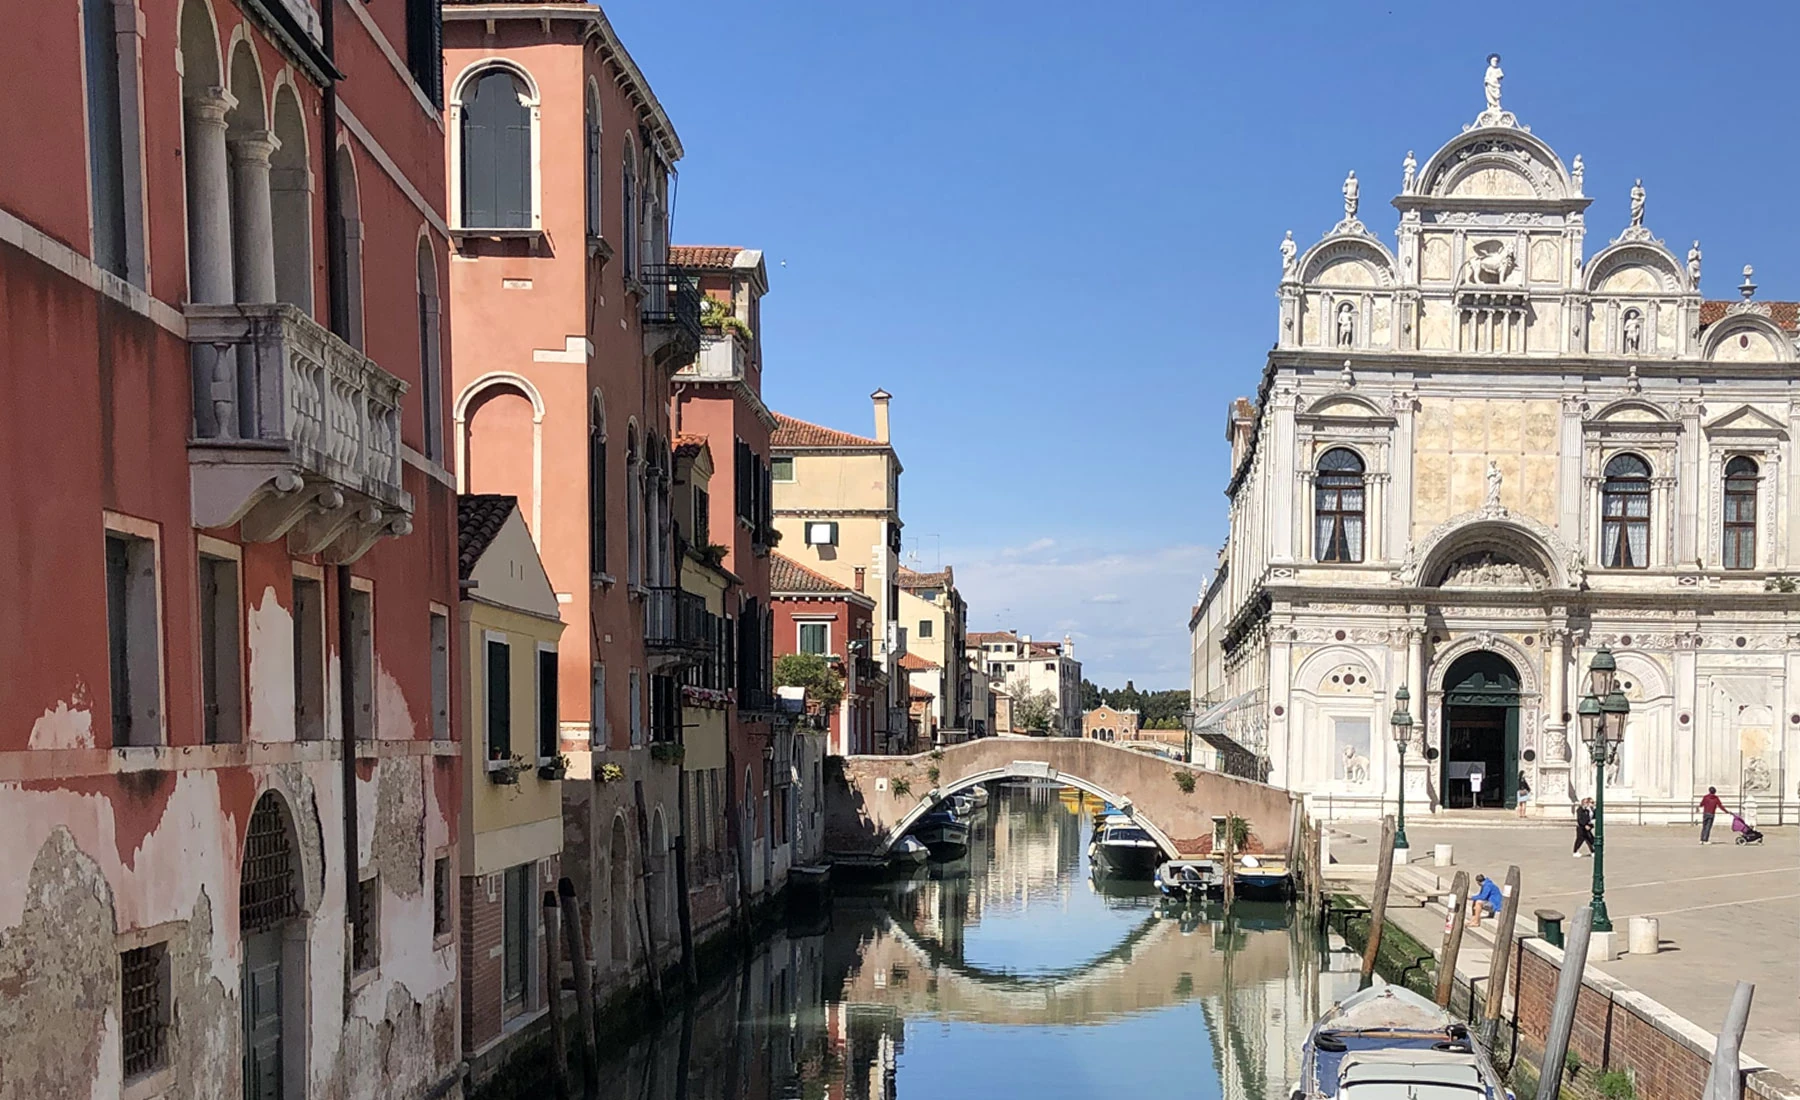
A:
(1346, 325)
(1490, 83)
(1486, 569)
(1493, 485)
(1492, 263)
(1637, 204)
(1694, 263)
(1634, 330)
(1576, 172)
(1356, 765)
(1288, 248)
(1408, 168)
(1350, 192)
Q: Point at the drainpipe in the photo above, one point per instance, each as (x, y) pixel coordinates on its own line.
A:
(338, 311)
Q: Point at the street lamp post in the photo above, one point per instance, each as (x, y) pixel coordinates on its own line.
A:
(1187, 724)
(1603, 711)
(1402, 727)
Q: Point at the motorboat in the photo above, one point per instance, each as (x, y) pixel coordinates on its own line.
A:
(980, 794)
(908, 851)
(943, 834)
(1262, 877)
(1386, 1042)
(1123, 849)
(962, 803)
(1189, 879)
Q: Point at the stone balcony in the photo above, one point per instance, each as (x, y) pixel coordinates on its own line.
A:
(296, 434)
(670, 310)
(722, 358)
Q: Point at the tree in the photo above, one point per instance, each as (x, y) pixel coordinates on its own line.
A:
(812, 672)
(1035, 711)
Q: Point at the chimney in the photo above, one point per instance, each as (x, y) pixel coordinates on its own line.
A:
(861, 573)
(881, 399)
(1068, 649)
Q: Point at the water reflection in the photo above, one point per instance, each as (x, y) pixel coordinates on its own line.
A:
(1013, 971)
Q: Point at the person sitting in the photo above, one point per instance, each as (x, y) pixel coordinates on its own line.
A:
(1486, 900)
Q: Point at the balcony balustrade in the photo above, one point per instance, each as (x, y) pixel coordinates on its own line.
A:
(677, 622)
(295, 433)
(722, 358)
(670, 309)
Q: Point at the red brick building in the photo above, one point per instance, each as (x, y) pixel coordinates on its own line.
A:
(227, 731)
(815, 614)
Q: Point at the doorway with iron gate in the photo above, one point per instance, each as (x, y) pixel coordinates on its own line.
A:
(272, 927)
(1479, 762)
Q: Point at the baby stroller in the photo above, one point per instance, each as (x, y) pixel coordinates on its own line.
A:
(1746, 833)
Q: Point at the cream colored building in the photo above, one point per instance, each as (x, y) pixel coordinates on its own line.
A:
(932, 615)
(1478, 456)
(837, 507)
(1011, 659)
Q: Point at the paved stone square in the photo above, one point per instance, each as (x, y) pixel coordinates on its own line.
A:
(1726, 912)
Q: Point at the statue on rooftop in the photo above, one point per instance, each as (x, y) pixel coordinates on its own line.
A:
(1350, 193)
(1694, 263)
(1288, 248)
(1408, 168)
(1491, 82)
(1576, 172)
(1637, 204)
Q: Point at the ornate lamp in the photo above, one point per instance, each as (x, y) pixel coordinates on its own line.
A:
(1603, 671)
(1401, 724)
(1603, 713)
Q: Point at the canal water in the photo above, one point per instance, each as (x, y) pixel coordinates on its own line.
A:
(1010, 972)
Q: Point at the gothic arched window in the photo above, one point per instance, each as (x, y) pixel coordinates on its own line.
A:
(597, 488)
(1625, 513)
(1740, 513)
(1338, 506)
(496, 152)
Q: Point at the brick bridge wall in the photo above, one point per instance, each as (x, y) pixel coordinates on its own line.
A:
(863, 809)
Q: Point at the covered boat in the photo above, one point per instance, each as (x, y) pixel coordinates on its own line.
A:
(1189, 879)
(1262, 877)
(908, 851)
(1389, 1043)
(942, 833)
(1122, 848)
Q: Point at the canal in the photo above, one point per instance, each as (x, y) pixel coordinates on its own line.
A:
(1010, 972)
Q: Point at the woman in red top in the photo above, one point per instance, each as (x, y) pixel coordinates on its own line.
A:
(1709, 805)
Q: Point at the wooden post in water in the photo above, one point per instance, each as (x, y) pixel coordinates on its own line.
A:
(1725, 1081)
(647, 929)
(1452, 939)
(1562, 1012)
(1230, 865)
(575, 939)
(559, 1069)
(1503, 940)
(1384, 874)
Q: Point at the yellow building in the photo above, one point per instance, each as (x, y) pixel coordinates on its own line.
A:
(511, 828)
(837, 506)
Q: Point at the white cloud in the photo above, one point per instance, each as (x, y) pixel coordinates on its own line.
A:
(1126, 612)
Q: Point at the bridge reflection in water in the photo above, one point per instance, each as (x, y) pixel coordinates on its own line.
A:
(1011, 972)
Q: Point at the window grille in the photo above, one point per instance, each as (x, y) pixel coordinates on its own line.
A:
(143, 1009)
(365, 939)
(440, 897)
(266, 888)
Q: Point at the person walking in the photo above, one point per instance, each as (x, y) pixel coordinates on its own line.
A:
(1584, 827)
(1709, 805)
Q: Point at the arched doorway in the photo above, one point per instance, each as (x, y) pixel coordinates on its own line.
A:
(618, 899)
(273, 993)
(1481, 733)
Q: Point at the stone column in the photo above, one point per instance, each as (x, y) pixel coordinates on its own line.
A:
(208, 198)
(252, 220)
(1556, 730)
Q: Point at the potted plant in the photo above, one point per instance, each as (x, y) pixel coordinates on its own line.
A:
(554, 767)
(505, 770)
(608, 773)
(667, 752)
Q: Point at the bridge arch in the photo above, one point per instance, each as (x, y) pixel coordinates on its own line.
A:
(1027, 769)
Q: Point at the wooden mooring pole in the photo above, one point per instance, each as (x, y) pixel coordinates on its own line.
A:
(1725, 1081)
(1562, 1012)
(1384, 874)
(1230, 862)
(1453, 934)
(1502, 957)
(575, 941)
(559, 1046)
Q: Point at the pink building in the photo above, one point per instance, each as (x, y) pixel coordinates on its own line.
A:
(815, 614)
(228, 750)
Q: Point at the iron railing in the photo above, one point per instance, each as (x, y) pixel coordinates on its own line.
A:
(672, 299)
(677, 622)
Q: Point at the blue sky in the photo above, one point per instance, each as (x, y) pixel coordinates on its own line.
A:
(1050, 230)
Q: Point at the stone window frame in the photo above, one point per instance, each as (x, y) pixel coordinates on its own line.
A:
(147, 643)
(233, 724)
(161, 1080)
(534, 104)
(1372, 438)
(128, 66)
(1658, 444)
(1763, 446)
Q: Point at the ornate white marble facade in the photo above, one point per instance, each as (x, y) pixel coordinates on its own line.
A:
(1427, 472)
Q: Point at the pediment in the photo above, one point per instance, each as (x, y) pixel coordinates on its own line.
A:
(1747, 420)
(1633, 414)
(1747, 338)
(1345, 406)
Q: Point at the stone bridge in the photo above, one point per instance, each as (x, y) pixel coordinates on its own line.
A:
(878, 798)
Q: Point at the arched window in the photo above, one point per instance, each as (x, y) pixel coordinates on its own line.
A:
(1740, 513)
(496, 152)
(290, 202)
(1338, 506)
(1625, 513)
(431, 387)
(628, 211)
(346, 242)
(634, 520)
(596, 488)
(593, 163)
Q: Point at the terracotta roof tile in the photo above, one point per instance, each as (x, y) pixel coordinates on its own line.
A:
(977, 637)
(912, 662)
(790, 432)
(943, 578)
(688, 445)
(479, 517)
(706, 257)
(920, 694)
(1785, 314)
(788, 575)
